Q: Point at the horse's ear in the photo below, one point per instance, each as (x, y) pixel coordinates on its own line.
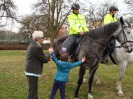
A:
(121, 20)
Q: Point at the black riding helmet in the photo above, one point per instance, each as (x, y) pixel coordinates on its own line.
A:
(114, 8)
(75, 6)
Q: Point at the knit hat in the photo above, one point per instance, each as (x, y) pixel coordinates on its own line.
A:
(37, 34)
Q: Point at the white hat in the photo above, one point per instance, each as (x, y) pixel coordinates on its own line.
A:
(37, 34)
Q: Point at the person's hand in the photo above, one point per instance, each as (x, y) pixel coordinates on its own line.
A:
(50, 50)
(81, 33)
(83, 59)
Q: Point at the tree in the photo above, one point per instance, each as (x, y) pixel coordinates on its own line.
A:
(49, 16)
(55, 13)
(7, 9)
(130, 7)
(96, 11)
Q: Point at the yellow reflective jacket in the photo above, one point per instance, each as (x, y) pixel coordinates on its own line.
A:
(109, 19)
(77, 24)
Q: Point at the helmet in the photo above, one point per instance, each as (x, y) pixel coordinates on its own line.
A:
(114, 8)
(75, 6)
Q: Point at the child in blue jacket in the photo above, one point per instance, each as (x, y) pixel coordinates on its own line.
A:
(62, 74)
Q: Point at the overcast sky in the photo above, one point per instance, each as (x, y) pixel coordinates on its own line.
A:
(24, 7)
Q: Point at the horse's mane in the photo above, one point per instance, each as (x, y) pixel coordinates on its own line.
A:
(102, 30)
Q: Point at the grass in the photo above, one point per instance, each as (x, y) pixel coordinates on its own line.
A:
(13, 82)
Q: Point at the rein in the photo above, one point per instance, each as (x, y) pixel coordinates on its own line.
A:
(122, 45)
(91, 49)
(95, 41)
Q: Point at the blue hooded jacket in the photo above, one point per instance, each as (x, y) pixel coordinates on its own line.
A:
(63, 68)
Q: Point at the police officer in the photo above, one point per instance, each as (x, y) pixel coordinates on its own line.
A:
(109, 18)
(77, 24)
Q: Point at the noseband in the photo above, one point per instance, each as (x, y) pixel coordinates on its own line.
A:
(124, 36)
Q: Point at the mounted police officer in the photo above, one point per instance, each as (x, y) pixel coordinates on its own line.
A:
(109, 18)
(77, 26)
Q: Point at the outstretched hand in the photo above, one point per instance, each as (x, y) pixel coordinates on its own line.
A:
(83, 59)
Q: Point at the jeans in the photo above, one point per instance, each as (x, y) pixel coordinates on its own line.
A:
(58, 85)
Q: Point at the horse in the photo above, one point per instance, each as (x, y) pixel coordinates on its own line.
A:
(122, 59)
(92, 46)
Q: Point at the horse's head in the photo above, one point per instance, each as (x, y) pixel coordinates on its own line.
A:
(125, 35)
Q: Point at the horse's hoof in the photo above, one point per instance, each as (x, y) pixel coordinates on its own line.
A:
(98, 83)
(120, 94)
(75, 97)
(84, 80)
(90, 96)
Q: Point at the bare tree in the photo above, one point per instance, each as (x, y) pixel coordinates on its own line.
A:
(48, 17)
(56, 12)
(7, 9)
(7, 14)
(96, 11)
(130, 7)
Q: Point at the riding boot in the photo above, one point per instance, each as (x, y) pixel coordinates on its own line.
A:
(72, 46)
(105, 55)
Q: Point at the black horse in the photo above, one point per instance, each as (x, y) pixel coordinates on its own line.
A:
(92, 46)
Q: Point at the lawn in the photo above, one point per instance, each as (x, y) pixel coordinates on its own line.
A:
(13, 82)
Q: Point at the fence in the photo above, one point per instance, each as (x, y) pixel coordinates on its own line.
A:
(18, 46)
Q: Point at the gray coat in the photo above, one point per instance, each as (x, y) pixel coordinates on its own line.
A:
(35, 59)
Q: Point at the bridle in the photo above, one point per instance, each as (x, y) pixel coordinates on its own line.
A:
(124, 36)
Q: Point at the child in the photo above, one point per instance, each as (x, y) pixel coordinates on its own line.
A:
(63, 70)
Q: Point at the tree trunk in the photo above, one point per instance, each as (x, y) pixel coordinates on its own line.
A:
(52, 41)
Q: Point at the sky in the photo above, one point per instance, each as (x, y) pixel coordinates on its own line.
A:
(24, 7)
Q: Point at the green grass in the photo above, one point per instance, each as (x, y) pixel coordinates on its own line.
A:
(13, 82)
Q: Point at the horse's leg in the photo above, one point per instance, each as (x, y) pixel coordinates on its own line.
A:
(91, 75)
(80, 81)
(98, 82)
(96, 78)
(85, 77)
(122, 67)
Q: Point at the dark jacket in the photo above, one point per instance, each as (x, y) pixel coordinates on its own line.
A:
(35, 59)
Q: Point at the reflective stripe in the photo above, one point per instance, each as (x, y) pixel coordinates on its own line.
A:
(32, 74)
(77, 24)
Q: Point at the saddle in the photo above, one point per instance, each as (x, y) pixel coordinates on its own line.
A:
(68, 47)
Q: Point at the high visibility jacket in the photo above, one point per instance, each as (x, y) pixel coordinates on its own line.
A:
(109, 19)
(77, 24)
